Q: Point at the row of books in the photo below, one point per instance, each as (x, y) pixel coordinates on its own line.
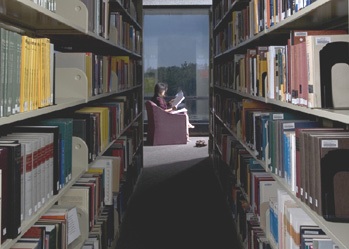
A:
(36, 164)
(126, 34)
(47, 4)
(296, 73)
(296, 149)
(94, 194)
(27, 81)
(299, 73)
(255, 17)
(27, 73)
(266, 216)
(102, 15)
(85, 214)
(56, 228)
(104, 74)
(37, 158)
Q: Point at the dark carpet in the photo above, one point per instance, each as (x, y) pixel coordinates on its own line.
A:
(178, 206)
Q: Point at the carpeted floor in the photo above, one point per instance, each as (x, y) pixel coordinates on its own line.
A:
(178, 205)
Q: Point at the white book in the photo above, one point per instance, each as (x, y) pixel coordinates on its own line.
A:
(282, 197)
(267, 190)
(297, 217)
(46, 163)
(25, 245)
(111, 165)
(31, 182)
(178, 99)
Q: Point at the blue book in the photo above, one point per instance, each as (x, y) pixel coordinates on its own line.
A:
(287, 125)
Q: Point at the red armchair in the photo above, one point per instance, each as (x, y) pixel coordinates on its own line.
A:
(165, 128)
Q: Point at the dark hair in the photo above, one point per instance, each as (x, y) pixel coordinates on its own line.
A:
(160, 86)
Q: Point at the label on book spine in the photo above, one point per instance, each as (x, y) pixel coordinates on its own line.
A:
(329, 144)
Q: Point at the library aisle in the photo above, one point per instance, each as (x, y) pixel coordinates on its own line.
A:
(177, 204)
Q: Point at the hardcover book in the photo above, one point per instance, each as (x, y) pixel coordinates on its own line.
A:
(14, 188)
(66, 134)
(54, 158)
(4, 193)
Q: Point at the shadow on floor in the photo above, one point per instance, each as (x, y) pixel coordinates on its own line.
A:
(178, 206)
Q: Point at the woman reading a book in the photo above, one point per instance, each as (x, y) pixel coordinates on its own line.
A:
(158, 98)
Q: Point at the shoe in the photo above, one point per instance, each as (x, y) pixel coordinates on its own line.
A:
(200, 143)
(191, 126)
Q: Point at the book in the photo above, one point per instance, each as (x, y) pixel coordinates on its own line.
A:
(14, 189)
(306, 233)
(111, 165)
(69, 215)
(301, 169)
(45, 162)
(104, 123)
(4, 193)
(295, 218)
(32, 174)
(55, 157)
(35, 233)
(320, 144)
(26, 245)
(271, 71)
(283, 200)
(90, 184)
(287, 125)
(50, 233)
(267, 190)
(178, 99)
(66, 134)
(91, 136)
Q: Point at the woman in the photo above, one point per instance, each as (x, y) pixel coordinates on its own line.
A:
(158, 98)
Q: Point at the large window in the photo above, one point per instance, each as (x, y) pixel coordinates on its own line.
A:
(176, 51)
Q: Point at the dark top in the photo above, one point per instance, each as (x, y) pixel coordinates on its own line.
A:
(161, 102)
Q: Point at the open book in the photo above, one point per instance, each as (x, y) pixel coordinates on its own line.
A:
(178, 99)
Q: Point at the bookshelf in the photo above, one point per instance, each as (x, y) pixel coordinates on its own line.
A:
(67, 27)
(320, 14)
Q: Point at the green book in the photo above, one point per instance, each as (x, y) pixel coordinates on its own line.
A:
(66, 133)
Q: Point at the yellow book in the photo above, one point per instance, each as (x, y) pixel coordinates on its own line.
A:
(24, 78)
(123, 71)
(32, 73)
(39, 73)
(44, 73)
(104, 123)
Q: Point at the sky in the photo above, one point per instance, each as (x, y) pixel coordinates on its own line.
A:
(174, 39)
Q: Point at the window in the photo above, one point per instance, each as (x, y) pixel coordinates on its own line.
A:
(176, 51)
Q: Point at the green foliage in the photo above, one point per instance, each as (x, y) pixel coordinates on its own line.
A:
(178, 78)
